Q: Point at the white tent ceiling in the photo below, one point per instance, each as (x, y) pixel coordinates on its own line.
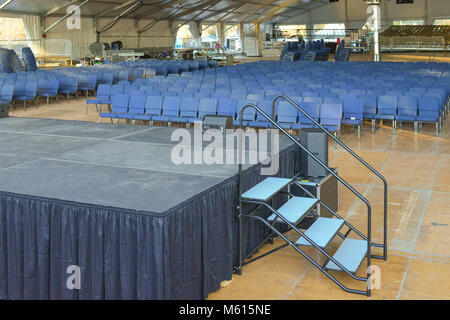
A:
(188, 10)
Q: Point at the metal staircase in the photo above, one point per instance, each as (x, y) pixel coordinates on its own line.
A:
(351, 252)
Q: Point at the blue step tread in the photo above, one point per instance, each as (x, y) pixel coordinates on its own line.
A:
(321, 232)
(266, 189)
(350, 254)
(295, 209)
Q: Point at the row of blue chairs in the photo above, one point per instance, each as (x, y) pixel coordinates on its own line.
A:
(190, 110)
(165, 67)
(369, 106)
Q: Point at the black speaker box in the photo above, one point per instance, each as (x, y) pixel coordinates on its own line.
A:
(316, 141)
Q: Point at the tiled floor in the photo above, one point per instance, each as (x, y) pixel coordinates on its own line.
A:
(417, 169)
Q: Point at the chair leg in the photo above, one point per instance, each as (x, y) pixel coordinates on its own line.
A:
(48, 100)
(373, 126)
(25, 105)
(335, 135)
(68, 97)
(415, 127)
(437, 129)
(359, 132)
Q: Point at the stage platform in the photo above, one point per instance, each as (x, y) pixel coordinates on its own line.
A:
(109, 199)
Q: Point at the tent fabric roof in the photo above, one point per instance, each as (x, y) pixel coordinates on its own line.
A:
(187, 10)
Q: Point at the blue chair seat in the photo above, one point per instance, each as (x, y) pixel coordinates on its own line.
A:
(125, 116)
(95, 101)
(142, 117)
(184, 120)
(385, 116)
(259, 124)
(352, 121)
(369, 116)
(405, 117)
(427, 118)
(244, 123)
(177, 119)
(109, 115)
(161, 118)
(332, 128)
(286, 125)
(299, 126)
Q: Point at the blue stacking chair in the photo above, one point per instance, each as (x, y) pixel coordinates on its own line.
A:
(136, 107)
(206, 106)
(153, 108)
(370, 105)
(25, 90)
(194, 66)
(6, 93)
(68, 86)
(203, 64)
(286, 115)
(331, 117)
(261, 121)
(188, 110)
(227, 107)
(387, 109)
(103, 97)
(438, 93)
(119, 107)
(353, 113)
(124, 76)
(170, 110)
(311, 108)
(107, 78)
(429, 111)
(87, 83)
(49, 89)
(174, 69)
(249, 113)
(184, 70)
(407, 110)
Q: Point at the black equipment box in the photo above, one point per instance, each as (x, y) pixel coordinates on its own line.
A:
(4, 110)
(323, 188)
